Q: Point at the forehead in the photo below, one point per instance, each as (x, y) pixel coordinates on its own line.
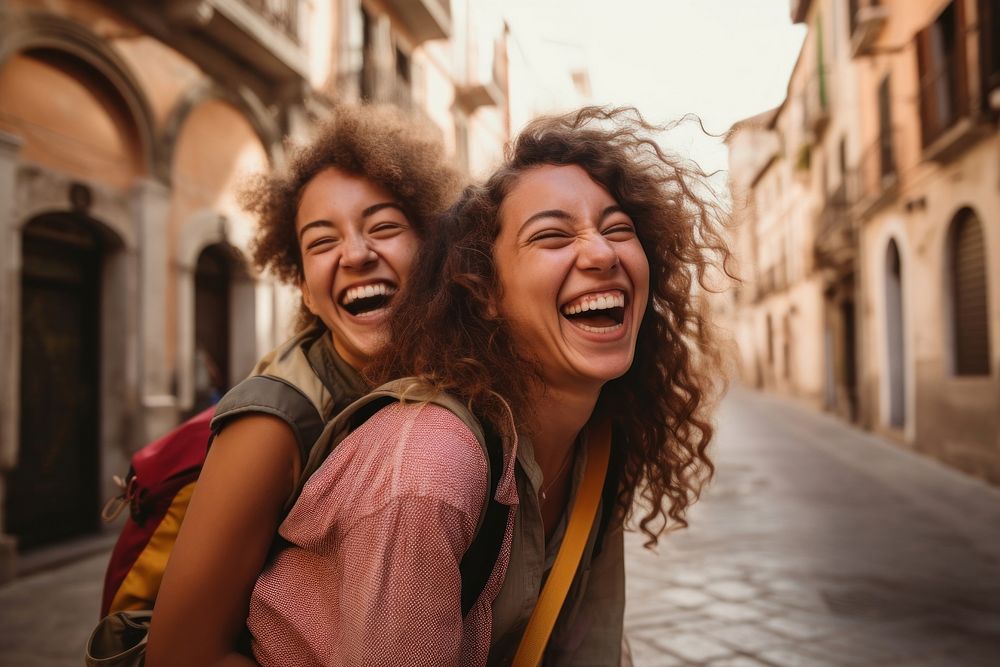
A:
(334, 190)
(566, 187)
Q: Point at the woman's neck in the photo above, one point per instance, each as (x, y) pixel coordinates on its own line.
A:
(559, 415)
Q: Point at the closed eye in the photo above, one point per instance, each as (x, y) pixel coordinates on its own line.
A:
(550, 237)
(321, 243)
(622, 231)
(384, 230)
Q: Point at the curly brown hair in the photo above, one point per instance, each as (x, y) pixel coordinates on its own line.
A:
(379, 142)
(446, 329)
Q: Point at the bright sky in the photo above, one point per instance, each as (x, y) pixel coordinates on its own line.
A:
(723, 60)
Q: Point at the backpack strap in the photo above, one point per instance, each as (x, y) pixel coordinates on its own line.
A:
(275, 396)
(480, 558)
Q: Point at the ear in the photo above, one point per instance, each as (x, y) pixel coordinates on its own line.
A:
(307, 297)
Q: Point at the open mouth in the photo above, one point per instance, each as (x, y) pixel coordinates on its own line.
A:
(598, 313)
(365, 299)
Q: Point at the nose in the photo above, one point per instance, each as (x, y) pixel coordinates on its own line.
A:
(597, 253)
(357, 252)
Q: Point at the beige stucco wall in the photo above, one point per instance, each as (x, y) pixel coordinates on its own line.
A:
(67, 122)
(216, 151)
(954, 418)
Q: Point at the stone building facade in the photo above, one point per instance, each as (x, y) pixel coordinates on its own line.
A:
(126, 126)
(869, 211)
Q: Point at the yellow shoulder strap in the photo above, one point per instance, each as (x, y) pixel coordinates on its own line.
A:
(581, 519)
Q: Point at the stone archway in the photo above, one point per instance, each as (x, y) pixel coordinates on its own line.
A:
(264, 125)
(37, 31)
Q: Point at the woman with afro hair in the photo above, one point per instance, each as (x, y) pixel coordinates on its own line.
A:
(343, 222)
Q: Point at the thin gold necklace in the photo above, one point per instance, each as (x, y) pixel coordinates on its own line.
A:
(558, 475)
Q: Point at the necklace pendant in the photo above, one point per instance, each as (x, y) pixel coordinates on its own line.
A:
(544, 497)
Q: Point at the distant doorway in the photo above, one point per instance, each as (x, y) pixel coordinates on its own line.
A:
(52, 493)
(212, 280)
(895, 338)
(850, 359)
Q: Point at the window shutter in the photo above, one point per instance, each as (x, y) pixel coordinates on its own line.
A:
(961, 66)
(925, 73)
(969, 298)
(989, 48)
(886, 162)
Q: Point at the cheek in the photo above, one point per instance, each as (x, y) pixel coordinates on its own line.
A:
(317, 274)
(637, 267)
(400, 254)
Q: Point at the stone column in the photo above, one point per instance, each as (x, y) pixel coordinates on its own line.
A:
(158, 407)
(10, 332)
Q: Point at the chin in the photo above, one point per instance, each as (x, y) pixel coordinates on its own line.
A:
(607, 372)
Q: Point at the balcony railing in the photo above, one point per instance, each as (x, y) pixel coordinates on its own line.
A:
(874, 179)
(835, 244)
(836, 209)
(816, 102)
(868, 18)
(772, 278)
(263, 37)
(283, 15)
(488, 90)
(424, 19)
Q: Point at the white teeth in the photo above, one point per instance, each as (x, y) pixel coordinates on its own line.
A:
(365, 291)
(591, 302)
(591, 329)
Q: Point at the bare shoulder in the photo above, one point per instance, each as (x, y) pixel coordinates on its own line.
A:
(255, 446)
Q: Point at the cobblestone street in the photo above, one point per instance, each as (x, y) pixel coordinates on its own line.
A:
(816, 545)
(819, 545)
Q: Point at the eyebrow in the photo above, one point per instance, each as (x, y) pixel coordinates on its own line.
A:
(563, 215)
(375, 208)
(367, 213)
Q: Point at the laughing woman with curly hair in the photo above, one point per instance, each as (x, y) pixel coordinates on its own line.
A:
(343, 222)
(556, 296)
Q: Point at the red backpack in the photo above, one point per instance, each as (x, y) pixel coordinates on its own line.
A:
(156, 491)
(163, 474)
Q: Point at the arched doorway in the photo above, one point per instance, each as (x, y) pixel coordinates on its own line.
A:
(224, 321)
(53, 492)
(211, 324)
(895, 338)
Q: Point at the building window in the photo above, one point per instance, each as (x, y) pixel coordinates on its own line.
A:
(367, 56)
(887, 164)
(895, 337)
(770, 340)
(403, 89)
(989, 48)
(942, 69)
(786, 346)
(970, 331)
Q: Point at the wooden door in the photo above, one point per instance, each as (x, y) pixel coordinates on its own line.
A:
(52, 493)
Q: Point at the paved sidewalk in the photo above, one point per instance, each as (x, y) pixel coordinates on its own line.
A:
(817, 545)
(46, 618)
